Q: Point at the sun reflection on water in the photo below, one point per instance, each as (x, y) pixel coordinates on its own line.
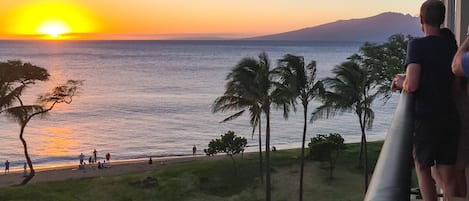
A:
(57, 142)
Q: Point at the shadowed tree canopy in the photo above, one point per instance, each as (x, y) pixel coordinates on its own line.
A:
(384, 61)
(15, 77)
(228, 143)
(326, 148)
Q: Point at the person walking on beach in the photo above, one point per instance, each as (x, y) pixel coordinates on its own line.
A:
(82, 157)
(25, 173)
(108, 158)
(7, 167)
(194, 150)
(95, 153)
(429, 77)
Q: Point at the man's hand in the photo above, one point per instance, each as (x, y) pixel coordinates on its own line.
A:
(398, 82)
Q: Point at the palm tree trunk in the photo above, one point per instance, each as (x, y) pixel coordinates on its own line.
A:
(302, 159)
(365, 154)
(26, 154)
(267, 154)
(360, 158)
(234, 164)
(261, 168)
(365, 151)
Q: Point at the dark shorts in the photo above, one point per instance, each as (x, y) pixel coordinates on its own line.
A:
(436, 141)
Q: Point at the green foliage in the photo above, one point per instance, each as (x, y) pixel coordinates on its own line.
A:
(384, 61)
(326, 149)
(229, 143)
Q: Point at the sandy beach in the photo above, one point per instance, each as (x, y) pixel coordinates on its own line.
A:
(60, 173)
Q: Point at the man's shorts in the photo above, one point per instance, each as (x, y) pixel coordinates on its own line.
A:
(436, 141)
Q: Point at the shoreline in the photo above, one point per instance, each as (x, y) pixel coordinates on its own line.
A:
(71, 171)
(67, 171)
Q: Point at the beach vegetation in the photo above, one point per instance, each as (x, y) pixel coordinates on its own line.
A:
(250, 82)
(210, 179)
(350, 90)
(17, 76)
(360, 80)
(232, 100)
(326, 148)
(228, 143)
(301, 80)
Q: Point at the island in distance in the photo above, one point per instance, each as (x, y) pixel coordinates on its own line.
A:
(372, 29)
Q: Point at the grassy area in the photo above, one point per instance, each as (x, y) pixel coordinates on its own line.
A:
(213, 180)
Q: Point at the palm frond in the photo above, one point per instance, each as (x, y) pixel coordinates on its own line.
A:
(234, 116)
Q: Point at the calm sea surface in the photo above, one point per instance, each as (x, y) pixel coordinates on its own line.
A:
(153, 98)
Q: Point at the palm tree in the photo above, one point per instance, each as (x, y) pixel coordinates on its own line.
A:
(24, 113)
(251, 83)
(231, 101)
(302, 81)
(351, 90)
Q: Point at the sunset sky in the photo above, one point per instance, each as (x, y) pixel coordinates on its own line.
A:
(158, 19)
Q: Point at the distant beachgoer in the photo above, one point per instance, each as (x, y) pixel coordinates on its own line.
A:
(82, 157)
(95, 153)
(274, 148)
(108, 158)
(90, 160)
(194, 150)
(150, 161)
(7, 167)
(25, 173)
(99, 165)
(104, 164)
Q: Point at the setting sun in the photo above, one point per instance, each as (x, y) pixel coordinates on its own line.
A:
(50, 20)
(53, 28)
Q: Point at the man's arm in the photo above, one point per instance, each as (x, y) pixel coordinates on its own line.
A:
(409, 82)
(412, 78)
(457, 60)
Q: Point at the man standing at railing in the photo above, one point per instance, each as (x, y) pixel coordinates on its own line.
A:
(429, 77)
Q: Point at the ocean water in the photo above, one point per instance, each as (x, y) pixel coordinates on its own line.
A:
(153, 98)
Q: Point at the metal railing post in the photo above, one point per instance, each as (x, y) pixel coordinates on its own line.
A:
(391, 179)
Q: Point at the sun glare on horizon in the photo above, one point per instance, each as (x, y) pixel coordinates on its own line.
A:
(53, 28)
(51, 21)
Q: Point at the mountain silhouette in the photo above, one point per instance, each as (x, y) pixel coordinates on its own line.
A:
(373, 29)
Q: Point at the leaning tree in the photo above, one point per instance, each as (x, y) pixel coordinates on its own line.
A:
(16, 76)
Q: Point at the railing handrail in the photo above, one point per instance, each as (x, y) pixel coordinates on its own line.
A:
(391, 179)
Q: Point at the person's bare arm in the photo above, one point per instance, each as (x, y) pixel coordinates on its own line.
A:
(457, 65)
(412, 78)
(408, 82)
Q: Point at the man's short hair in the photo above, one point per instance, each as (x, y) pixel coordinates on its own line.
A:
(433, 12)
